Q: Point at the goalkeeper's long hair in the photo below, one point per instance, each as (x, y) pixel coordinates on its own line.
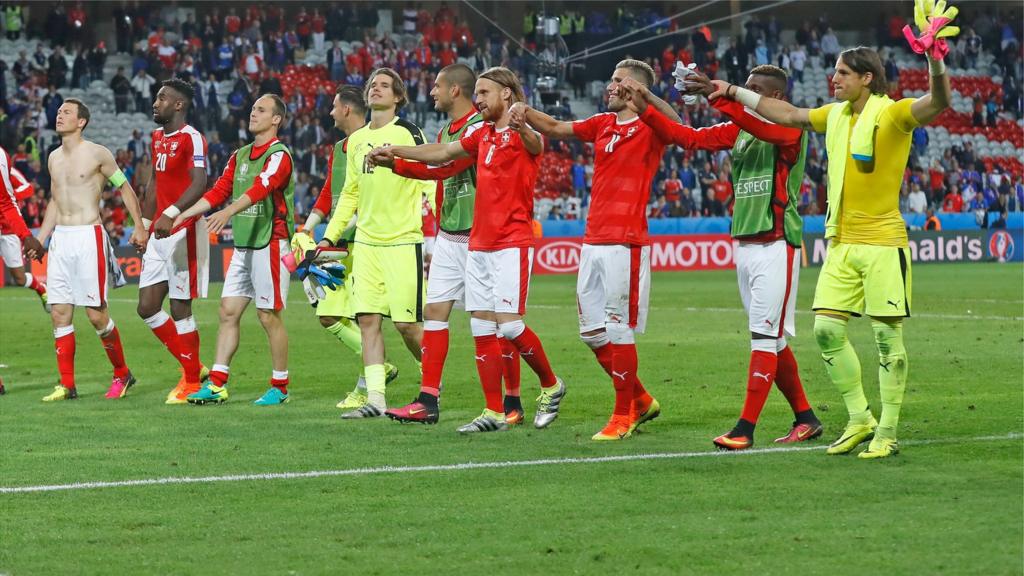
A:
(863, 60)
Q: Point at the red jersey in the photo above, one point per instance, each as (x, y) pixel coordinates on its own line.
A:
(22, 187)
(723, 137)
(174, 156)
(506, 173)
(11, 221)
(273, 180)
(626, 157)
(429, 222)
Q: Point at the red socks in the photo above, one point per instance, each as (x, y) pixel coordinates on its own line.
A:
(510, 366)
(788, 381)
(532, 351)
(111, 339)
(489, 367)
(435, 352)
(219, 375)
(33, 284)
(64, 344)
(623, 373)
(759, 383)
(604, 357)
(279, 380)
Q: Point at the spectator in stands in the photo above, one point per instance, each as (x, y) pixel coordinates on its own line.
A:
(137, 145)
(1000, 222)
(555, 213)
(13, 19)
(971, 43)
(917, 200)
(142, 83)
(953, 203)
(932, 221)
(121, 86)
(830, 47)
(57, 67)
(711, 205)
(979, 207)
(672, 187)
(904, 202)
(52, 102)
(80, 70)
(579, 177)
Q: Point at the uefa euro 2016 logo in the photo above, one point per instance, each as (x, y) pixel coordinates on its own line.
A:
(1000, 245)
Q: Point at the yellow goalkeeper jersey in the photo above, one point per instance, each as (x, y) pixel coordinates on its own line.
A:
(390, 207)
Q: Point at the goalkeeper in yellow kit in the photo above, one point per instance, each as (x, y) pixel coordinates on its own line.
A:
(867, 268)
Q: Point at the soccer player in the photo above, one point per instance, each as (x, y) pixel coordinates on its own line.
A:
(81, 265)
(387, 266)
(258, 181)
(176, 263)
(10, 218)
(334, 311)
(867, 267)
(614, 279)
(446, 286)
(767, 169)
(500, 256)
(10, 244)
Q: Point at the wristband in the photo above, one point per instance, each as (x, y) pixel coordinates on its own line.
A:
(936, 67)
(172, 211)
(147, 223)
(748, 98)
(117, 179)
(311, 222)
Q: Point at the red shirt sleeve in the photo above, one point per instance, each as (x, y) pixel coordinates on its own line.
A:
(221, 190)
(718, 137)
(471, 142)
(277, 172)
(786, 138)
(423, 171)
(586, 130)
(324, 200)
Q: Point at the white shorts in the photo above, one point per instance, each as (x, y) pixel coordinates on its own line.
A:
(182, 260)
(447, 281)
(613, 286)
(78, 267)
(10, 251)
(259, 275)
(428, 244)
(768, 275)
(498, 281)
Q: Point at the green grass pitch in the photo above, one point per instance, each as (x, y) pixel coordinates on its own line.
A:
(951, 502)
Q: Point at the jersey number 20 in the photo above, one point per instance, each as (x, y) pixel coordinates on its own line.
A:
(161, 162)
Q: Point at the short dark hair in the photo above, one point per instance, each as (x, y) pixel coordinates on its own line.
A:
(181, 87)
(773, 72)
(352, 96)
(462, 76)
(280, 109)
(83, 110)
(863, 60)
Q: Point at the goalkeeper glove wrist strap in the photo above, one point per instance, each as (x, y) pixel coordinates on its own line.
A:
(748, 98)
(936, 67)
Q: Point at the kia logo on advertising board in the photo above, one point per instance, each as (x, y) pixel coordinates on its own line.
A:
(559, 256)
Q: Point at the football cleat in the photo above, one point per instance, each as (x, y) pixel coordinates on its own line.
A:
(880, 448)
(514, 413)
(641, 416)
(619, 427)
(414, 412)
(365, 411)
(725, 442)
(853, 435)
(354, 400)
(119, 387)
(208, 394)
(390, 373)
(180, 393)
(801, 432)
(61, 393)
(45, 300)
(489, 421)
(271, 397)
(548, 403)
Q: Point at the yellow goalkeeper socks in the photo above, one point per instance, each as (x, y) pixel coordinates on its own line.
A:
(892, 374)
(375, 381)
(842, 365)
(349, 335)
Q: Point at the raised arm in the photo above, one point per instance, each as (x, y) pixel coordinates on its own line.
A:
(541, 122)
(773, 110)
(938, 98)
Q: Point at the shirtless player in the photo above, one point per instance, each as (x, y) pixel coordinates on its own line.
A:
(80, 267)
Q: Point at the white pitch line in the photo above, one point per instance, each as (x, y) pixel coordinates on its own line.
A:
(459, 467)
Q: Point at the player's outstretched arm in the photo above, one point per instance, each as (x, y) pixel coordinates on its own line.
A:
(430, 153)
(777, 111)
(117, 179)
(541, 122)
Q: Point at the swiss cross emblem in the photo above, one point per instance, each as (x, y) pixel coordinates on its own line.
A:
(630, 131)
(174, 146)
(505, 137)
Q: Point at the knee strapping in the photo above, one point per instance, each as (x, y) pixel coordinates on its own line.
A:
(595, 341)
(481, 327)
(620, 333)
(512, 330)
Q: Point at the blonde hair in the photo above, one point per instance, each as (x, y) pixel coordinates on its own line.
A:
(508, 79)
(642, 70)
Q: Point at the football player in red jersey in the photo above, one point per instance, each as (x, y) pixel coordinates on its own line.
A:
(614, 279)
(175, 263)
(10, 244)
(501, 241)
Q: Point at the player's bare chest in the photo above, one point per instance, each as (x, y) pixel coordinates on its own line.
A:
(75, 169)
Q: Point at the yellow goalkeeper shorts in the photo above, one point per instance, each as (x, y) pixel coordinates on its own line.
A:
(865, 279)
(388, 280)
